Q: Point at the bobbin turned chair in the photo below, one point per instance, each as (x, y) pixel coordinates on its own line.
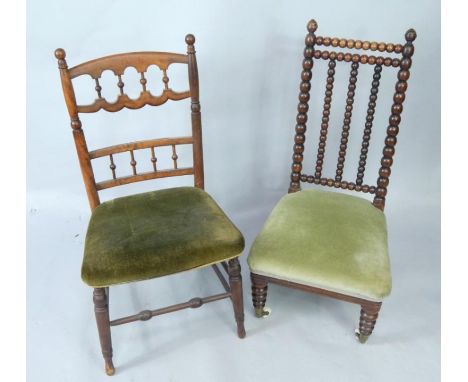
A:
(327, 242)
(158, 233)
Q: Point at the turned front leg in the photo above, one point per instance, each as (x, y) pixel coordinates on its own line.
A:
(259, 294)
(369, 315)
(235, 282)
(101, 310)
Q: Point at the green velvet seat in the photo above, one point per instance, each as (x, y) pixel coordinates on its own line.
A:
(327, 240)
(156, 233)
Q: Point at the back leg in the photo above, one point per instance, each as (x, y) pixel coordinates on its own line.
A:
(369, 315)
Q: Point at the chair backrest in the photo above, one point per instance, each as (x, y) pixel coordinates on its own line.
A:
(117, 64)
(310, 53)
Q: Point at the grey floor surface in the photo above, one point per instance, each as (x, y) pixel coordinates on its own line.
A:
(306, 338)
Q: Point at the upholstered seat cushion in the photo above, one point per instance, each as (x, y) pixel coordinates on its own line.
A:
(156, 233)
(328, 240)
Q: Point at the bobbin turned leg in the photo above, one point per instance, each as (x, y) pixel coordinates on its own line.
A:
(259, 295)
(101, 310)
(369, 314)
(235, 282)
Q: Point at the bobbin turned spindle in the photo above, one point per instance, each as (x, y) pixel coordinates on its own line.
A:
(303, 107)
(369, 307)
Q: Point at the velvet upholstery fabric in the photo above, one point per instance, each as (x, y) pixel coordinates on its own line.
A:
(155, 234)
(327, 240)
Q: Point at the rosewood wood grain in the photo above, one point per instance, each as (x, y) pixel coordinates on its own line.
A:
(347, 120)
(259, 294)
(302, 108)
(357, 58)
(368, 125)
(367, 320)
(345, 185)
(394, 121)
(311, 289)
(325, 118)
(358, 44)
(403, 63)
(370, 309)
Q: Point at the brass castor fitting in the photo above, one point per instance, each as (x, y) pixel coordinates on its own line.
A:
(262, 312)
(362, 338)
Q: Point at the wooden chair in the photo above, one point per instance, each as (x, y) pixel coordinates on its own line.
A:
(158, 233)
(327, 242)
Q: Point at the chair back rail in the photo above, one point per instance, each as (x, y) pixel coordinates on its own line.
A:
(379, 62)
(117, 64)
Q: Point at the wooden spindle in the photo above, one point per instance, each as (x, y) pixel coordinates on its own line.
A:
(347, 120)
(302, 108)
(120, 84)
(361, 58)
(133, 162)
(165, 79)
(98, 88)
(394, 120)
(325, 118)
(153, 159)
(174, 156)
(369, 123)
(143, 81)
(112, 166)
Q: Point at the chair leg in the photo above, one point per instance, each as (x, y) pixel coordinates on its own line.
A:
(101, 310)
(235, 282)
(369, 314)
(259, 295)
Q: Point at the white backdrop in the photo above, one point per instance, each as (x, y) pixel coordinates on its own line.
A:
(249, 57)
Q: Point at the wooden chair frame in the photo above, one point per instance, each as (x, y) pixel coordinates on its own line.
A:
(369, 309)
(141, 61)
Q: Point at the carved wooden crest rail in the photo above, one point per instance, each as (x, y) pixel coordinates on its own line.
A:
(118, 63)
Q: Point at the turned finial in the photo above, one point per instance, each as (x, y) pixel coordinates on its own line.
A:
(312, 26)
(60, 56)
(410, 35)
(190, 39)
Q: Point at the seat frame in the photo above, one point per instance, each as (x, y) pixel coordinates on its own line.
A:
(141, 61)
(369, 309)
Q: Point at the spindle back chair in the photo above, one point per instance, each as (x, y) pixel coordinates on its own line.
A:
(141, 62)
(379, 63)
(117, 64)
(266, 262)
